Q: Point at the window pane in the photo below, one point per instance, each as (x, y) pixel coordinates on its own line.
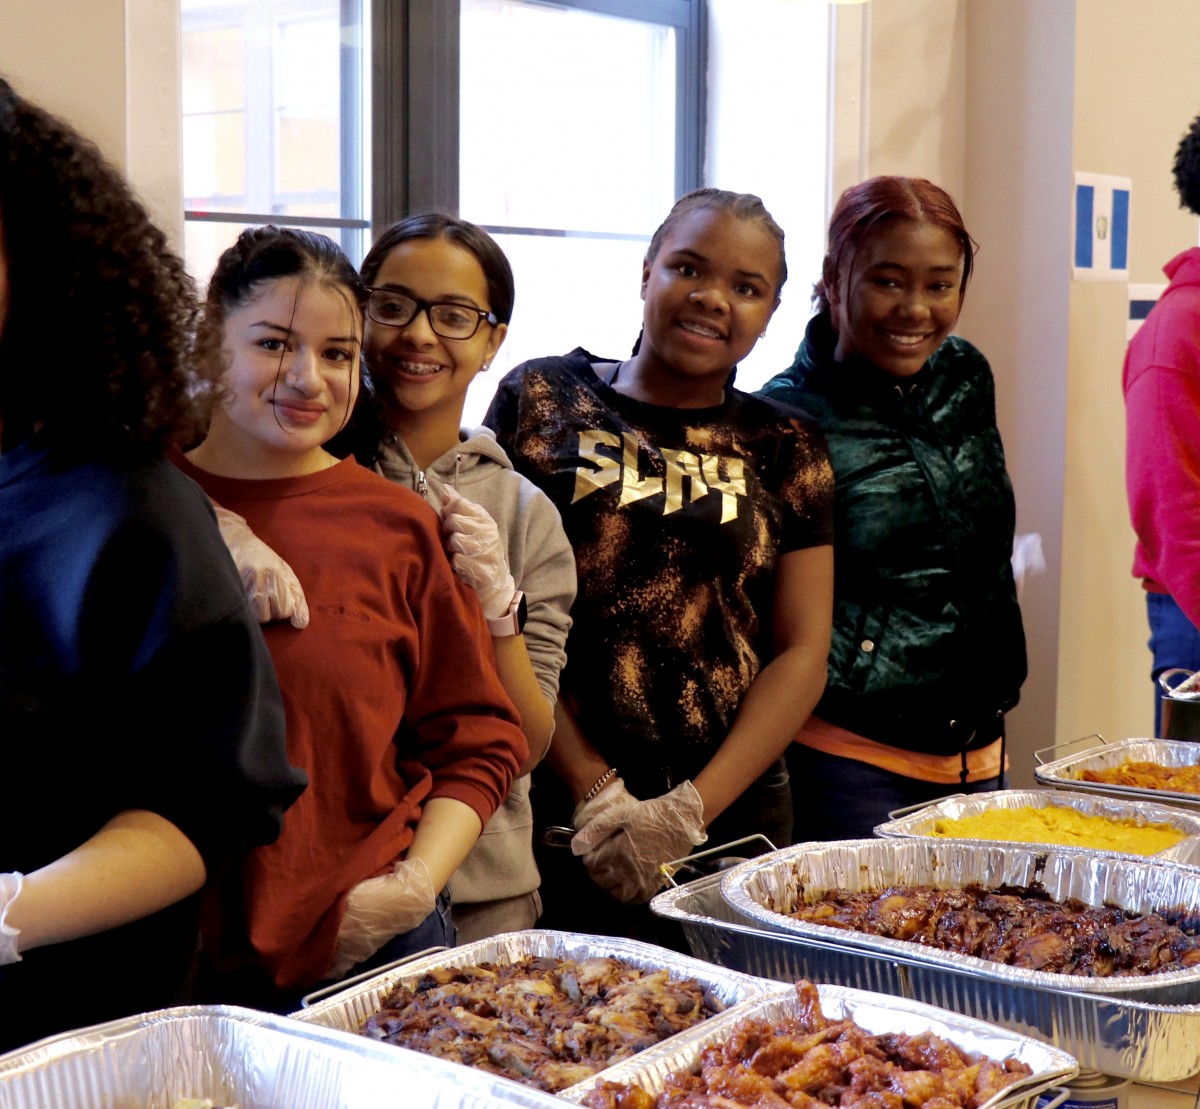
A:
(595, 144)
(265, 129)
(593, 155)
(570, 293)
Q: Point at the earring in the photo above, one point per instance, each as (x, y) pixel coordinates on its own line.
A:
(762, 334)
(484, 367)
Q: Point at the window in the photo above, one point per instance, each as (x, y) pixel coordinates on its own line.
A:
(273, 101)
(573, 191)
(566, 128)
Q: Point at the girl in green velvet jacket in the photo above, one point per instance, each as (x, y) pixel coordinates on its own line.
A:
(928, 651)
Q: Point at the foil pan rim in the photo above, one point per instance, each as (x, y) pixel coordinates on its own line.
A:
(729, 987)
(971, 804)
(229, 1051)
(1167, 752)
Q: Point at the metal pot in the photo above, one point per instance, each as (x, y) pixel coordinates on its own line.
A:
(1180, 704)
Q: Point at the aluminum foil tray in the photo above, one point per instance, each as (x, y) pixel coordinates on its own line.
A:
(871, 1011)
(239, 1056)
(1064, 773)
(919, 821)
(348, 1009)
(1153, 1043)
(765, 889)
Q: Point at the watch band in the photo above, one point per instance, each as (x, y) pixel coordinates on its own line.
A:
(512, 620)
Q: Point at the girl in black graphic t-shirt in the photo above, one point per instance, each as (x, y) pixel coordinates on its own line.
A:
(700, 519)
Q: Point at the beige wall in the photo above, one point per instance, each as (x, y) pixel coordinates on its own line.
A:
(1137, 86)
(70, 57)
(110, 67)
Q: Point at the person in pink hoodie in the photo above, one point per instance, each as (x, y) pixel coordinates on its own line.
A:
(1162, 451)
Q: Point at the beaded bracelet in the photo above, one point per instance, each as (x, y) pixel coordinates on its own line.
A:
(601, 782)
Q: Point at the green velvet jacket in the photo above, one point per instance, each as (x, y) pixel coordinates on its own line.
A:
(928, 649)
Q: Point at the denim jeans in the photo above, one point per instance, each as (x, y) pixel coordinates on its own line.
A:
(1174, 641)
(836, 798)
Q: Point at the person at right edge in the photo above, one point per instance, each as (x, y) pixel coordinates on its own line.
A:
(928, 650)
(1162, 447)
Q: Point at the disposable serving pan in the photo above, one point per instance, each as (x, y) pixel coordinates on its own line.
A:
(873, 1012)
(1154, 1043)
(1064, 773)
(239, 1056)
(764, 890)
(919, 822)
(349, 1009)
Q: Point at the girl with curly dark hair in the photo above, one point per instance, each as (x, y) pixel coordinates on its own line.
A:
(135, 689)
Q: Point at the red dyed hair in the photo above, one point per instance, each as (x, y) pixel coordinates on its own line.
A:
(861, 208)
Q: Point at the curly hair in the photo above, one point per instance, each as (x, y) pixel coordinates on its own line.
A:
(1187, 169)
(743, 205)
(95, 347)
(863, 207)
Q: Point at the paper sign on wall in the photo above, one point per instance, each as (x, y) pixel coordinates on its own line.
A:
(1141, 299)
(1101, 227)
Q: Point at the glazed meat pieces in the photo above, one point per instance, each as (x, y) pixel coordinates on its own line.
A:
(811, 1062)
(1021, 929)
(545, 1022)
(1147, 775)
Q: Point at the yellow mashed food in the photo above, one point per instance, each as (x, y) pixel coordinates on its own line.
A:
(1061, 826)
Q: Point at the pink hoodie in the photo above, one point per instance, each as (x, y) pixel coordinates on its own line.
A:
(1162, 452)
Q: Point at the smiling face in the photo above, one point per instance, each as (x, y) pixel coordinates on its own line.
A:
(901, 297)
(291, 377)
(709, 292)
(418, 372)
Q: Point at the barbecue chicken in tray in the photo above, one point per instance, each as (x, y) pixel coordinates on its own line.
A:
(870, 1052)
(1047, 917)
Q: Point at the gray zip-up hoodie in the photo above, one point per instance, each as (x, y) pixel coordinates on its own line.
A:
(501, 864)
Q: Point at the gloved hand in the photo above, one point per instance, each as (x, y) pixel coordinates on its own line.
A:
(595, 820)
(477, 553)
(626, 862)
(273, 590)
(380, 908)
(10, 888)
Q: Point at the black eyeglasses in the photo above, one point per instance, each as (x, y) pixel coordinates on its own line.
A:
(449, 320)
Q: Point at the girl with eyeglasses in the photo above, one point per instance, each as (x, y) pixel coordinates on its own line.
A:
(441, 298)
(392, 700)
(700, 520)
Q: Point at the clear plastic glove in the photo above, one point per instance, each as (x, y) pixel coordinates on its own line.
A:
(595, 820)
(381, 908)
(627, 861)
(10, 888)
(476, 551)
(273, 590)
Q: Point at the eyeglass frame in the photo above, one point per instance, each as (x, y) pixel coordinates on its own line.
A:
(425, 306)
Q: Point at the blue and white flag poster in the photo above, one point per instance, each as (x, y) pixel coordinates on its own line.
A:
(1101, 227)
(1141, 299)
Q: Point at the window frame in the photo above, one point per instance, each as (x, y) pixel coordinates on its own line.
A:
(415, 97)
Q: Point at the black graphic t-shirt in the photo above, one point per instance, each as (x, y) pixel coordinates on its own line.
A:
(677, 517)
